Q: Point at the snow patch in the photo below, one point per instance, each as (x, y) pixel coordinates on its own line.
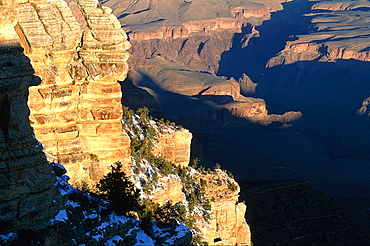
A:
(61, 216)
(73, 204)
(113, 240)
(7, 237)
(143, 239)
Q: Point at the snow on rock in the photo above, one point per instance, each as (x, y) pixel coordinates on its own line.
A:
(143, 239)
(113, 240)
(61, 216)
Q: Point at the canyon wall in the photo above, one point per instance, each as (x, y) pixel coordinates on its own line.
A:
(192, 34)
(28, 196)
(197, 98)
(324, 73)
(76, 110)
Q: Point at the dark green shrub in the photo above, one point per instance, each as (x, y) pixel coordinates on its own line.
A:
(117, 189)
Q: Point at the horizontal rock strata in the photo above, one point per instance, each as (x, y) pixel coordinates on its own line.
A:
(76, 110)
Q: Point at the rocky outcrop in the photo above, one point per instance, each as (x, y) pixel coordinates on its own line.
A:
(330, 59)
(76, 113)
(228, 225)
(28, 197)
(175, 146)
(69, 114)
(164, 80)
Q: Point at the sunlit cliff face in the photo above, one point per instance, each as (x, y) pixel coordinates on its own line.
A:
(76, 110)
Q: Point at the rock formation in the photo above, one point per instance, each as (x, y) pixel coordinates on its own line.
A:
(192, 34)
(77, 64)
(28, 196)
(330, 59)
(228, 212)
(164, 80)
(175, 147)
(76, 114)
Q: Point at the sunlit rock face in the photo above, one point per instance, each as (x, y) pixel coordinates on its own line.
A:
(28, 196)
(228, 223)
(76, 110)
(193, 34)
(175, 147)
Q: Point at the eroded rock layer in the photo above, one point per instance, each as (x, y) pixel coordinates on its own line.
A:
(28, 196)
(193, 95)
(76, 110)
(193, 34)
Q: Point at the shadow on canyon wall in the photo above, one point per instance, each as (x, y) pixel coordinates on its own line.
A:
(250, 54)
(253, 152)
(329, 94)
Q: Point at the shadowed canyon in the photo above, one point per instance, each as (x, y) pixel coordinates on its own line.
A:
(275, 92)
(302, 64)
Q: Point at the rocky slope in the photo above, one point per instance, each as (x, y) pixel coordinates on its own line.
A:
(309, 56)
(38, 207)
(209, 197)
(194, 94)
(330, 61)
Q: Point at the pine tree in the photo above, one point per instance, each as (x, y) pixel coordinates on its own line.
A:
(117, 189)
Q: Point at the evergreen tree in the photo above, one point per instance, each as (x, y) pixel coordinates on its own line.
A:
(117, 189)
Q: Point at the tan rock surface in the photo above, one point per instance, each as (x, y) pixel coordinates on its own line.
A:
(76, 110)
(339, 32)
(228, 223)
(193, 34)
(175, 147)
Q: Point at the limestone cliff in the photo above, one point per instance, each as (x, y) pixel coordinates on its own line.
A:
(38, 206)
(192, 34)
(76, 110)
(76, 113)
(28, 196)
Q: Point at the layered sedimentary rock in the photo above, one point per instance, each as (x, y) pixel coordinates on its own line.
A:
(193, 34)
(76, 110)
(175, 146)
(228, 224)
(196, 94)
(28, 197)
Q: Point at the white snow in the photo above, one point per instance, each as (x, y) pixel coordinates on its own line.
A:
(93, 216)
(111, 242)
(8, 236)
(143, 239)
(114, 218)
(73, 204)
(97, 237)
(58, 165)
(61, 216)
